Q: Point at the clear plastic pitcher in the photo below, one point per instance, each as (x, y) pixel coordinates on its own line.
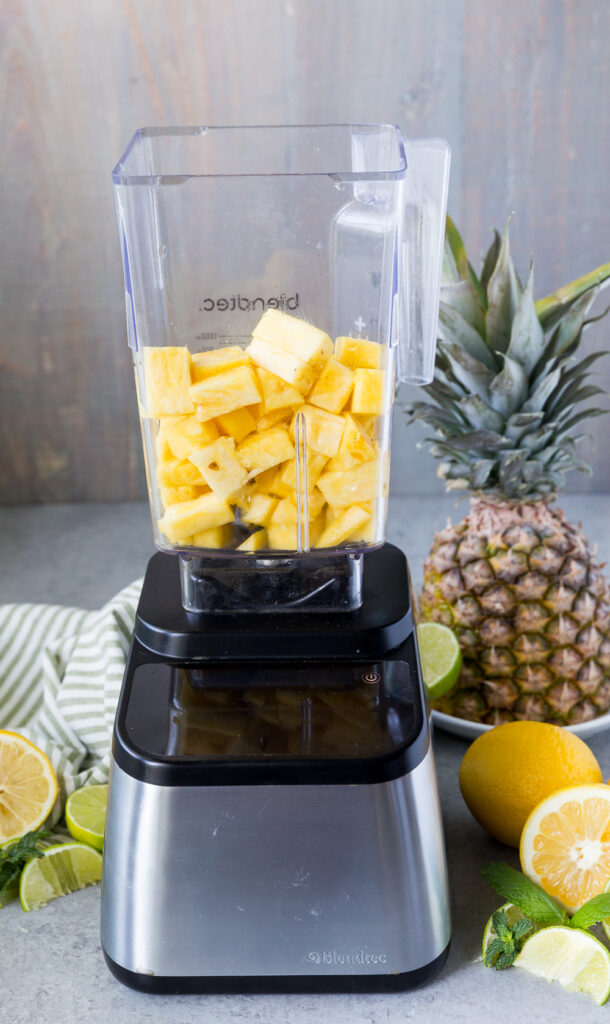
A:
(278, 281)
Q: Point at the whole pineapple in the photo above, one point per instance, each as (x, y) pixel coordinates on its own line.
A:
(516, 581)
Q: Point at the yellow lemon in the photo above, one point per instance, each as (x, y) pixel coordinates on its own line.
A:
(28, 786)
(565, 844)
(510, 769)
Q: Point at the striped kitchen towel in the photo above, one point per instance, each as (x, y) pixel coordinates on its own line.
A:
(60, 675)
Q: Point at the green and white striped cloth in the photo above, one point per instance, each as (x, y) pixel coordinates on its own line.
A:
(60, 675)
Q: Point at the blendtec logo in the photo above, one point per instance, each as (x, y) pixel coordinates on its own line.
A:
(331, 957)
(245, 304)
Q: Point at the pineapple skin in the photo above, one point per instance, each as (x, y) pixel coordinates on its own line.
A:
(531, 608)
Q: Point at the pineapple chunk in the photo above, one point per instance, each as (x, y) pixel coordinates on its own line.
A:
(257, 509)
(286, 365)
(324, 430)
(186, 492)
(167, 380)
(332, 388)
(286, 510)
(358, 353)
(356, 445)
(206, 364)
(190, 517)
(344, 526)
(265, 449)
(237, 424)
(284, 536)
(255, 542)
(294, 336)
(179, 474)
(277, 394)
(185, 433)
(225, 392)
(353, 486)
(315, 465)
(368, 397)
(315, 502)
(220, 467)
(273, 418)
(213, 537)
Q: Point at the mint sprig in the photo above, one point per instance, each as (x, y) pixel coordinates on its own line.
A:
(531, 899)
(503, 950)
(15, 856)
(592, 912)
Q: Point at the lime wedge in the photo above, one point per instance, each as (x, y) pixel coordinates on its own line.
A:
(513, 914)
(61, 869)
(441, 658)
(574, 958)
(86, 815)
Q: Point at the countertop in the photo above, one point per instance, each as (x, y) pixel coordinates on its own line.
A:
(51, 965)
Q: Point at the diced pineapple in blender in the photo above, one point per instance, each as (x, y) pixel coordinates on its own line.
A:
(257, 509)
(206, 364)
(284, 536)
(220, 467)
(255, 542)
(315, 502)
(295, 336)
(170, 495)
(358, 353)
(333, 387)
(265, 449)
(356, 445)
(286, 365)
(225, 392)
(167, 380)
(368, 397)
(277, 394)
(185, 433)
(272, 419)
(286, 510)
(263, 482)
(179, 474)
(188, 517)
(343, 526)
(324, 430)
(237, 424)
(213, 537)
(353, 486)
(315, 465)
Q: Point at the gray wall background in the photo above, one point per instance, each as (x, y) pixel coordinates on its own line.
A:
(521, 90)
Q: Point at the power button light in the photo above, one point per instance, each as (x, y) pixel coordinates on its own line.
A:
(371, 677)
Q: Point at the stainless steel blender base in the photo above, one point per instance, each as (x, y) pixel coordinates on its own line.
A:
(213, 884)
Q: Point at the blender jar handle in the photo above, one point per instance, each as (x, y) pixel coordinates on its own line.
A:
(420, 257)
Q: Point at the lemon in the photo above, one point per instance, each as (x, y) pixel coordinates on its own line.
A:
(28, 786)
(574, 958)
(86, 815)
(61, 869)
(510, 769)
(440, 656)
(565, 844)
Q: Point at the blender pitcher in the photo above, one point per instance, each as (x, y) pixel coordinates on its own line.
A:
(278, 282)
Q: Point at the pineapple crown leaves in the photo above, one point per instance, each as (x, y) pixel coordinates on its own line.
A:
(507, 381)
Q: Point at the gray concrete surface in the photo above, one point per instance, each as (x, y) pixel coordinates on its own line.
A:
(51, 966)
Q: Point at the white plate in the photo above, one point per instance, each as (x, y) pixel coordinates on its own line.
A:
(470, 730)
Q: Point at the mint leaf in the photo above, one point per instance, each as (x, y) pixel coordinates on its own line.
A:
(592, 912)
(15, 856)
(493, 951)
(515, 887)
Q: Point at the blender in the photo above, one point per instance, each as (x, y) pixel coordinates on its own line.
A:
(273, 819)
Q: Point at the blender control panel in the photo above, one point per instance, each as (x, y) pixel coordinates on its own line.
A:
(273, 710)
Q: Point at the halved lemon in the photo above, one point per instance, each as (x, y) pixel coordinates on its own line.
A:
(565, 844)
(28, 787)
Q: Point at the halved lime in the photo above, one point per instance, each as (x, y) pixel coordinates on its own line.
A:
(61, 869)
(513, 914)
(86, 815)
(570, 956)
(441, 658)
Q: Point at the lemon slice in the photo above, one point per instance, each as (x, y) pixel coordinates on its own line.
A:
(565, 844)
(574, 958)
(28, 786)
(86, 815)
(441, 658)
(61, 869)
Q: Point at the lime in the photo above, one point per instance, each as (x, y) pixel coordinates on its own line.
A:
(441, 658)
(86, 815)
(61, 869)
(574, 958)
(513, 914)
